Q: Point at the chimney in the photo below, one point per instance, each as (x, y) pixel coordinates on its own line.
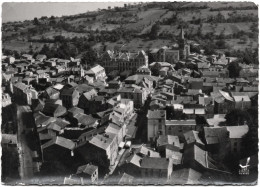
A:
(182, 34)
(242, 103)
(140, 161)
(228, 59)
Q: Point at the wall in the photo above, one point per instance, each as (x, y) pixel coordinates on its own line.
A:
(154, 127)
(179, 130)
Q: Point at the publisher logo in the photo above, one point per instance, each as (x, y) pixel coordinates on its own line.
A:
(244, 168)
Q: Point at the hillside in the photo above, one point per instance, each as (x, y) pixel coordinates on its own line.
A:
(130, 26)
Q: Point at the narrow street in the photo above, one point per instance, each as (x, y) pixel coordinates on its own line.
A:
(26, 145)
(141, 123)
(120, 154)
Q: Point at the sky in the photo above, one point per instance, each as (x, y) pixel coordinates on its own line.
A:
(17, 11)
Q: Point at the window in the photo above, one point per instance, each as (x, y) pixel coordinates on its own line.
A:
(146, 172)
(160, 173)
(235, 150)
(235, 144)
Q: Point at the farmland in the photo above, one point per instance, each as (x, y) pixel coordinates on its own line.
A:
(136, 44)
(22, 46)
(139, 18)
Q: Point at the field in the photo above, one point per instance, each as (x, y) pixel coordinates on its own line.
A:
(146, 18)
(22, 46)
(92, 25)
(227, 4)
(237, 45)
(52, 34)
(105, 27)
(206, 13)
(141, 19)
(219, 4)
(136, 44)
(168, 14)
(227, 28)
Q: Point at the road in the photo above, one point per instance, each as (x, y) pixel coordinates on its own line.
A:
(25, 122)
(131, 120)
(141, 123)
(118, 158)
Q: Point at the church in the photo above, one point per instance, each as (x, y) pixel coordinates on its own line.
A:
(172, 54)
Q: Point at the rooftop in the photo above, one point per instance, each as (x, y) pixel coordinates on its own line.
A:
(84, 119)
(95, 70)
(180, 122)
(152, 163)
(103, 141)
(126, 179)
(215, 135)
(58, 140)
(143, 150)
(9, 139)
(54, 109)
(156, 114)
(185, 176)
(192, 137)
(216, 120)
(241, 98)
(168, 139)
(135, 159)
(87, 169)
(237, 131)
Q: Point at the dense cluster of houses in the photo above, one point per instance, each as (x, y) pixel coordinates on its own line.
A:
(84, 121)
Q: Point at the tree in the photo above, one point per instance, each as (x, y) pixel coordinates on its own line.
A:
(154, 31)
(35, 21)
(244, 39)
(254, 27)
(250, 56)
(7, 52)
(31, 52)
(47, 51)
(43, 18)
(237, 117)
(59, 38)
(209, 49)
(234, 69)
(89, 58)
(179, 66)
(169, 112)
(221, 44)
(250, 140)
(195, 49)
(16, 54)
(201, 122)
(150, 57)
(156, 69)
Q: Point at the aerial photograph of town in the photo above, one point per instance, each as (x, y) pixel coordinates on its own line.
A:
(129, 93)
